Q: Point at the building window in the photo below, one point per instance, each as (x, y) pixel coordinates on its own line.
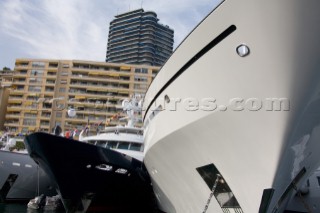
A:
(50, 81)
(49, 89)
(140, 78)
(52, 73)
(58, 123)
(53, 65)
(38, 64)
(37, 72)
(140, 86)
(20, 87)
(29, 122)
(35, 80)
(154, 73)
(58, 114)
(30, 115)
(34, 89)
(141, 70)
(62, 89)
(24, 64)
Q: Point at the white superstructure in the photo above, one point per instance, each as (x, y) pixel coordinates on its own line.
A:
(232, 120)
(124, 139)
(127, 140)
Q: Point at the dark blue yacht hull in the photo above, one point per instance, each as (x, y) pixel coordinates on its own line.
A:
(21, 179)
(92, 177)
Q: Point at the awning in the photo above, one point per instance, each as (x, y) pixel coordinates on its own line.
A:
(13, 109)
(31, 111)
(20, 92)
(32, 94)
(15, 101)
(113, 74)
(28, 103)
(103, 73)
(80, 97)
(76, 103)
(123, 92)
(97, 89)
(93, 73)
(31, 128)
(125, 68)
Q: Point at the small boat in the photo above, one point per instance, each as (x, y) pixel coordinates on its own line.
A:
(53, 203)
(37, 203)
(46, 203)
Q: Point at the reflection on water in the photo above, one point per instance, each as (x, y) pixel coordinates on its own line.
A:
(16, 208)
(22, 208)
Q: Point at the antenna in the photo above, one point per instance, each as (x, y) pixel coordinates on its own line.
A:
(141, 3)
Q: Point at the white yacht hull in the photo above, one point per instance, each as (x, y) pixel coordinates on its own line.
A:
(223, 110)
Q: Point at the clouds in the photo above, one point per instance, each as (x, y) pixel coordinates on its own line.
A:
(78, 29)
(54, 29)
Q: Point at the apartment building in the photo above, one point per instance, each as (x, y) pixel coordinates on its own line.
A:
(137, 37)
(43, 91)
(5, 85)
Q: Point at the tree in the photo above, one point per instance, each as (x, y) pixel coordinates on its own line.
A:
(6, 69)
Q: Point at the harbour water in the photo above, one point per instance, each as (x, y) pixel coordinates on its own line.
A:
(16, 208)
(22, 208)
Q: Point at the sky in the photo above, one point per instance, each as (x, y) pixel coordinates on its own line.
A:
(78, 29)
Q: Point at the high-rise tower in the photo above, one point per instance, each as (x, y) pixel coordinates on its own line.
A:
(136, 37)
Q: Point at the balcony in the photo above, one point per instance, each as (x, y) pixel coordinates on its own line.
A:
(45, 118)
(99, 87)
(51, 73)
(93, 94)
(106, 111)
(49, 92)
(6, 84)
(21, 66)
(20, 74)
(44, 124)
(99, 78)
(17, 92)
(45, 115)
(53, 65)
(13, 115)
(12, 123)
(50, 82)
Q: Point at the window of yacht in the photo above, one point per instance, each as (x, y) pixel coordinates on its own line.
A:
(101, 143)
(91, 142)
(135, 147)
(123, 145)
(112, 144)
